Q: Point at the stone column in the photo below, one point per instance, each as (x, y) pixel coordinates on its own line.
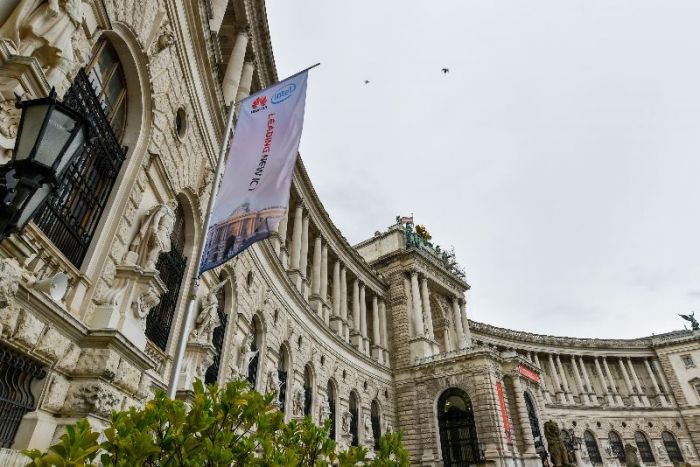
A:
(234, 68)
(355, 334)
(344, 302)
(633, 396)
(604, 383)
(363, 319)
(524, 419)
(411, 315)
(376, 334)
(657, 389)
(616, 394)
(642, 397)
(336, 322)
(564, 380)
(323, 283)
(419, 330)
(304, 254)
(427, 312)
(545, 388)
(316, 267)
(296, 237)
(558, 386)
(246, 82)
(465, 324)
(282, 236)
(457, 313)
(218, 10)
(385, 334)
(579, 383)
(662, 378)
(591, 392)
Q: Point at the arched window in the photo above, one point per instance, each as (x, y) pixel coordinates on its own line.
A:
(107, 78)
(535, 426)
(72, 211)
(376, 423)
(645, 451)
(617, 447)
(592, 448)
(308, 390)
(282, 373)
(458, 437)
(671, 445)
(255, 348)
(212, 374)
(330, 390)
(171, 265)
(568, 444)
(353, 407)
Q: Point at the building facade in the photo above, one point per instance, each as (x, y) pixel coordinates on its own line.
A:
(373, 336)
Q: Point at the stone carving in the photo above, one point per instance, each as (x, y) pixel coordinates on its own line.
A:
(165, 40)
(345, 422)
(369, 431)
(203, 365)
(153, 238)
(10, 275)
(557, 451)
(9, 119)
(43, 30)
(93, 397)
(297, 399)
(207, 319)
(247, 354)
(145, 303)
(631, 458)
(273, 383)
(325, 409)
(388, 428)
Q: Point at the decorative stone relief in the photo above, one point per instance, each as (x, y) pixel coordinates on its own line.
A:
(273, 383)
(93, 397)
(325, 409)
(10, 275)
(369, 432)
(297, 399)
(9, 119)
(345, 421)
(43, 30)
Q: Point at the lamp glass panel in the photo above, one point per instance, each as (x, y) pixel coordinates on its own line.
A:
(58, 130)
(31, 204)
(32, 120)
(74, 147)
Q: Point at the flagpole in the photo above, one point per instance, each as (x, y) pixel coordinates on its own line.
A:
(194, 286)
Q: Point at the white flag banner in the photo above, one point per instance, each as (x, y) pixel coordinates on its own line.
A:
(254, 192)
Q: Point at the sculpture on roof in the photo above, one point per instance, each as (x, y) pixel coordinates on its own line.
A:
(691, 319)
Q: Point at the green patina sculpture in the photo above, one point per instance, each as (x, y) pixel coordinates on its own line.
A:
(631, 458)
(557, 451)
(693, 322)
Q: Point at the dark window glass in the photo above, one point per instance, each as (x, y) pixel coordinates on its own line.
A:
(617, 446)
(645, 452)
(254, 347)
(308, 391)
(355, 441)
(592, 448)
(212, 374)
(674, 452)
(331, 404)
(376, 424)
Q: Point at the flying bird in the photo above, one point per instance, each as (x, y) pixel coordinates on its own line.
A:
(445, 71)
(366, 81)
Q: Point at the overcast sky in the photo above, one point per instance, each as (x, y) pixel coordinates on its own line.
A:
(560, 156)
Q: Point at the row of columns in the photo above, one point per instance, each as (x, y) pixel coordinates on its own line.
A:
(238, 76)
(418, 293)
(561, 391)
(333, 311)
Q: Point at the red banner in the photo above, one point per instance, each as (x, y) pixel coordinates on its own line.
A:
(504, 413)
(529, 374)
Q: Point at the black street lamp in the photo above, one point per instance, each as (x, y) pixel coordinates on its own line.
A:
(49, 135)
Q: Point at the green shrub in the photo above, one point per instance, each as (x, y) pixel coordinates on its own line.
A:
(222, 426)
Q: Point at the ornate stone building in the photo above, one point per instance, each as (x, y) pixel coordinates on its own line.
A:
(373, 336)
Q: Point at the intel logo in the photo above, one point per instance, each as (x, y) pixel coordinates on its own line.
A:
(283, 94)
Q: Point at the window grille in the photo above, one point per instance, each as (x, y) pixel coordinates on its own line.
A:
(592, 448)
(458, 436)
(331, 404)
(674, 452)
(17, 373)
(70, 215)
(307, 397)
(617, 447)
(253, 365)
(212, 374)
(645, 451)
(171, 266)
(282, 375)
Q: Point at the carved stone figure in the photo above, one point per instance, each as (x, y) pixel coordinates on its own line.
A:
(691, 319)
(145, 303)
(43, 30)
(631, 458)
(369, 431)
(247, 354)
(388, 428)
(297, 399)
(325, 409)
(273, 383)
(345, 422)
(153, 238)
(207, 319)
(557, 450)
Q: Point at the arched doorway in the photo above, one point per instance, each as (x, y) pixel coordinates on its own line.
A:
(458, 437)
(535, 427)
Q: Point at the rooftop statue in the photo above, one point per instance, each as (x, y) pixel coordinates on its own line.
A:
(691, 319)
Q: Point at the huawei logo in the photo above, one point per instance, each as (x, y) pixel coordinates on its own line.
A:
(260, 101)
